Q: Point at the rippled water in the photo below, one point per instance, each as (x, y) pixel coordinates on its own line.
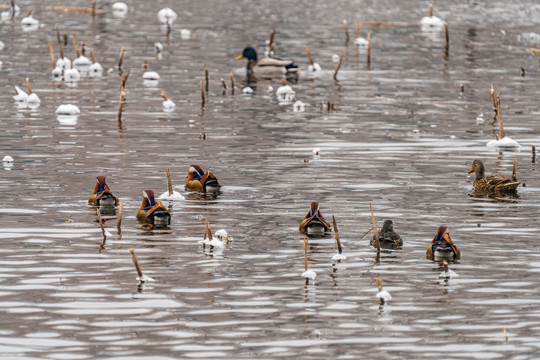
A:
(401, 135)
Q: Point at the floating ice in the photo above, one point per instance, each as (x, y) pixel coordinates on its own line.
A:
(529, 37)
(309, 274)
(174, 197)
(448, 274)
(383, 296)
(480, 118)
(119, 9)
(21, 96)
(314, 67)
(505, 143)
(335, 58)
(67, 109)
(33, 99)
(316, 151)
(151, 75)
(63, 63)
(7, 159)
(339, 257)
(145, 278)
(247, 90)
(185, 34)
(159, 47)
(167, 15)
(431, 23)
(285, 94)
(168, 105)
(2, 45)
(82, 63)
(30, 23)
(72, 75)
(95, 69)
(361, 42)
(57, 73)
(299, 106)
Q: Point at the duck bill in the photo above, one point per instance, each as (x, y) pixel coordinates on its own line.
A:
(239, 57)
(470, 171)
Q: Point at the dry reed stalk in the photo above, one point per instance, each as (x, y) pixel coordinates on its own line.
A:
(533, 149)
(207, 230)
(338, 66)
(447, 43)
(169, 182)
(164, 95)
(368, 50)
(445, 266)
(51, 51)
(206, 79)
(522, 71)
(514, 168)
(231, 77)
(76, 45)
(367, 232)
(224, 84)
(534, 51)
(499, 116)
(29, 87)
(492, 96)
(203, 98)
(375, 230)
(346, 29)
(119, 221)
(310, 58)
(505, 335)
(120, 104)
(124, 81)
(305, 253)
(271, 38)
(90, 10)
(336, 235)
(430, 10)
(121, 58)
(357, 24)
(136, 263)
(101, 223)
(462, 88)
(379, 284)
(59, 42)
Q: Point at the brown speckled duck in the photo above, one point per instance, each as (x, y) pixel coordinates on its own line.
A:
(388, 238)
(493, 184)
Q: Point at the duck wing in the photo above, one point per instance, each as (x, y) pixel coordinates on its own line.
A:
(273, 62)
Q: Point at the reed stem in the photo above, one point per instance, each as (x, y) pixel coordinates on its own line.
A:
(51, 51)
(101, 223)
(310, 58)
(207, 231)
(119, 221)
(203, 97)
(336, 235)
(169, 182)
(136, 263)
(76, 45)
(338, 66)
(121, 59)
(375, 230)
(499, 116)
(29, 86)
(231, 77)
(59, 42)
(368, 51)
(346, 29)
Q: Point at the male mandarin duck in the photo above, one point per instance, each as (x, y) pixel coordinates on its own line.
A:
(152, 211)
(442, 247)
(388, 238)
(314, 223)
(266, 66)
(102, 195)
(495, 184)
(198, 180)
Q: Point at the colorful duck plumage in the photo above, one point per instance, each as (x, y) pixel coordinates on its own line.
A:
(152, 211)
(314, 223)
(442, 247)
(198, 180)
(493, 184)
(102, 195)
(388, 238)
(266, 66)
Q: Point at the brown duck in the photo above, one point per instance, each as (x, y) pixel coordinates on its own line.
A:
(388, 238)
(494, 184)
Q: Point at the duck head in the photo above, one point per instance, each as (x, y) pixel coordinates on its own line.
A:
(149, 199)
(388, 226)
(194, 173)
(248, 53)
(478, 169)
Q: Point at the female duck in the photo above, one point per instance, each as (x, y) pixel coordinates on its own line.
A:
(152, 211)
(495, 184)
(266, 66)
(102, 195)
(198, 180)
(314, 223)
(388, 238)
(442, 247)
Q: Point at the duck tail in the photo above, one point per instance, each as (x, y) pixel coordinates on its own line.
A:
(292, 68)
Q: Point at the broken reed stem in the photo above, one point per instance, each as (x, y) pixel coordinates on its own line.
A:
(59, 43)
(124, 80)
(305, 253)
(271, 39)
(310, 58)
(231, 77)
(499, 116)
(51, 51)
(430, 10)
(136, 263)
(76, 45)
(367, 232)
(164, 95)
(492, 96)
(379, 284)
(357, 24)
(121, 58)
(346, 29)
(224, 84)
(101, 223)
(445, 266)
(514, 168)
(522, 71)
(206, 79)
(119, 221)
(533, 154)
(29, 87)
(505, 335)
(207, 230)
(120, 104)
(447, 44)
(169, 182)
(336, 235)
(338, 66)
(203, 97)
(375, 230)
(368, 50)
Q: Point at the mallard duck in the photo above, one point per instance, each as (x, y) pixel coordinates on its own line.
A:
(314, 223)
(388, 238)
(198, 180)
(495, 184)
(152, 211)
(102, 195)
(266, 66)
(442, 247)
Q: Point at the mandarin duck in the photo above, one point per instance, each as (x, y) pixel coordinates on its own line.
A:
(152, 211)
(314, 223)
(198, 180)
(102, 195)
(442, 247)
